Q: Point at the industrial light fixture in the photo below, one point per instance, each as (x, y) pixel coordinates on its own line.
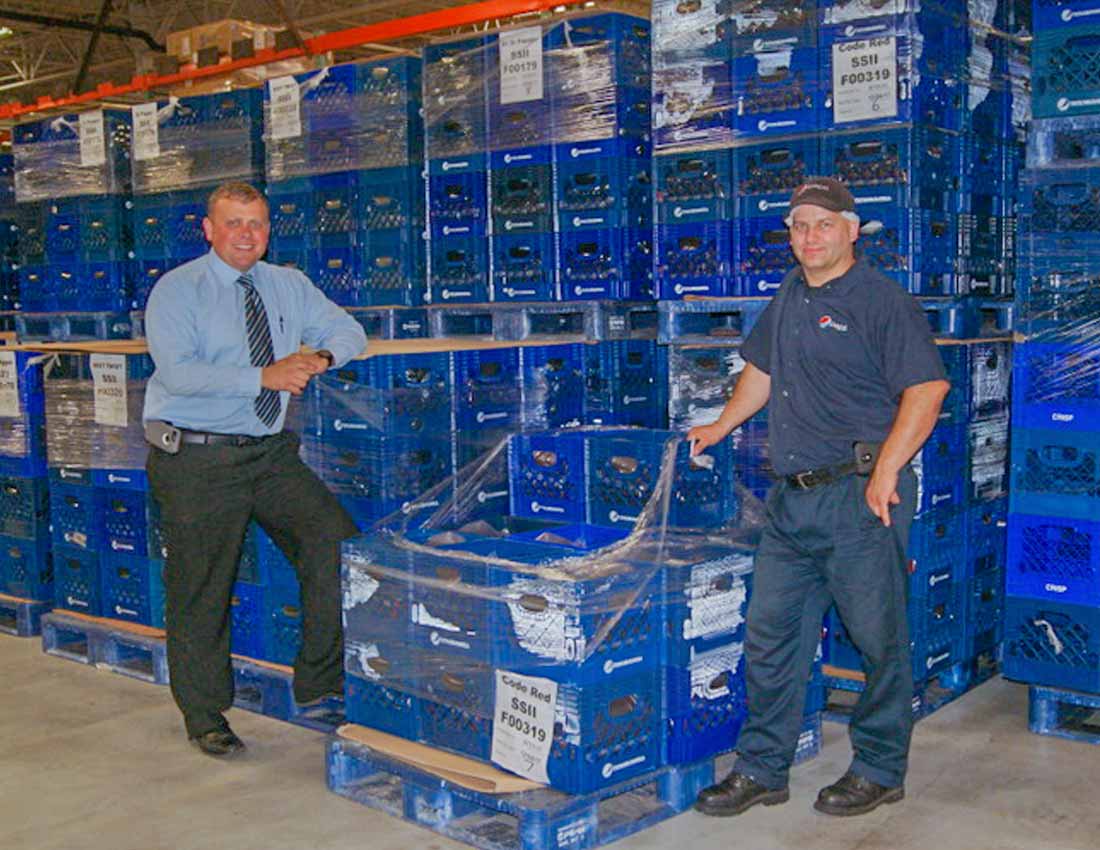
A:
(6, 31)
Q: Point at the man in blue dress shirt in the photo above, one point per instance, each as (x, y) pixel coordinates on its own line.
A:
(225, 333)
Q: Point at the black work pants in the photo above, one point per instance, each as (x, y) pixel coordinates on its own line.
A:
(820, 546)
(207, 494)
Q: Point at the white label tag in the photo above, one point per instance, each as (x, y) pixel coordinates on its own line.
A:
(146, 142)
(93, 144)
(109, 387)
(9, 386)
(865, 79)
(286, 108)
(523, 724)
(521, 65)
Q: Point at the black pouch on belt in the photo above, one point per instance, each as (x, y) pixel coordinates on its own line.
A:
(865, 456)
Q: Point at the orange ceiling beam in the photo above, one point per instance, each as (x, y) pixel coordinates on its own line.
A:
(473, 13)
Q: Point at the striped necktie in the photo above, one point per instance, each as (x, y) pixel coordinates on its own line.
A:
(260, 349)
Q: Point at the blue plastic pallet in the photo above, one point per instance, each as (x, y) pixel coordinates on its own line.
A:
(542, 819)
(106, 644)
(265, 689)
(72, 327)
(22, 617)
(708, 321)
(593, 320)
(1064, 714)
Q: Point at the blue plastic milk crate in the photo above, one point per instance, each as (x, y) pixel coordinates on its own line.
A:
(682, 32)
(487, 389)
(458, 202)
(132, 589)
(1052, 643)
(73, 515)
(937, 544)
(624, 385)
(600, 263)
(777, 93)
(762, 255)
(104, 229)
(377, 599)
(695, 259)
(772, 25)
(598, 192)
(24, 507)
(391, 267)
(291, 209)
(332, 204)
(912, 165)
(334, 268)
(553, 379)
(521, 191)
(1056, 386)
(548, 476)
(693, 104)
(380, 688)
(766, 174)
(1055, 558)
(986, 537)
(390, 198)
(246, 615)
(121, 520)
(77, 584)
(523, 267)
(1059, 201)
(459, 270)
(455, 76)
(1065, 74)
(600, 50)
(282, 626)
(26, 568)
(1055, 473)
(705, 705)
(937, 465)
(695, 186)
(917, 246)
(984, 613)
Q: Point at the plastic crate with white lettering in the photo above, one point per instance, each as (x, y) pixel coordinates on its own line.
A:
(986, 537)
(523, 267)
(455, 98)
(601, 192)
(1065, 71)
(333, 266)
(695, 259)
(693, 104)
(133, 588)
(766, 174)
(26, 567)
(548, 479)
(24, 507)
(987, 474)
(76, 584)
(121, 520)
(458, 198)
(937, 465)
(380, 688)
(604, 263)
(487, 389)
(772, 25)
(916, 246)
(1051, 557)
(1057, 385)
(391, 268)
(687, 32)
(984, 624)
(777, 93)
(762, 255)
(624, 383)
(554, 384)
(73, 515)
(1052, 643)
(706, 594)
(913, 165)
(990, 376)
(705, 704)
(521, 191)
(459, 270)
(390, 198)
(694, 186)
(1055, 473)
(937, 544)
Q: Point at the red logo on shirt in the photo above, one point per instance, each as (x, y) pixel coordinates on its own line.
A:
(828, 321)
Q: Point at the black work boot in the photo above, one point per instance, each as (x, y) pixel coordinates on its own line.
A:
(854, 795)
(737, 793)
(221, 743)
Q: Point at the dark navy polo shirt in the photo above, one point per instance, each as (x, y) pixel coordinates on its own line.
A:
(839, 357)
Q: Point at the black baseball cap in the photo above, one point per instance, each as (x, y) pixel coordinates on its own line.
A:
(825, 192)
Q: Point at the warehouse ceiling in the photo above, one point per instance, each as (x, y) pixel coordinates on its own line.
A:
(58, 47)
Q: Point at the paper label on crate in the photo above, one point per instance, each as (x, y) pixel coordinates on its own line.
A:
(9, 386)
(286, 108)
(109, 388)
(146, 140)
(865, 79)
(521, 65)
(93, 142)
(523, 724)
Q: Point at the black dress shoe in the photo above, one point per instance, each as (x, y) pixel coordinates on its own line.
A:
(219, 742)
(854, 795)
(735, 794)
(323, 699)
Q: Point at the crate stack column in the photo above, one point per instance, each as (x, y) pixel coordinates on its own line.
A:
(1052, 622)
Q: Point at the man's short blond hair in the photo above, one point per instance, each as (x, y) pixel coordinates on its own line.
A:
(240, 192)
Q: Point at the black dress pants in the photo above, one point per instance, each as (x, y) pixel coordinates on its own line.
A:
(207, 494)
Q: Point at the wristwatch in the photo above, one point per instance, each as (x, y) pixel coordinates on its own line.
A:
(324, 352)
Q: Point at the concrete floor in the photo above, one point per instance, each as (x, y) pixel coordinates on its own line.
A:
(90, 760)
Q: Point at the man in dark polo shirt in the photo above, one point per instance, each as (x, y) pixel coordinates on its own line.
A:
(844, 357)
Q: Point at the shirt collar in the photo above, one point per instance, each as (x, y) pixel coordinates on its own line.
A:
(225, 273)
(838, 285)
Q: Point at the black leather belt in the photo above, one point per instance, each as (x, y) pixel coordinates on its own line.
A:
(816, 477)
(208, 438)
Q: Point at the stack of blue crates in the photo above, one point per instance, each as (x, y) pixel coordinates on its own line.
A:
(760, 80)
(9, 236)
(106, 561)
(346, 191)
(1052, 623)
(72, 178)
(192, 145)
(540, 192)
(25, 566)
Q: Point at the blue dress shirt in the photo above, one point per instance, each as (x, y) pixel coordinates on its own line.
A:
(195, 325)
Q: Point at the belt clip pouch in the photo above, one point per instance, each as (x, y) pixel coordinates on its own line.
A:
(163, 436)
(865, 455)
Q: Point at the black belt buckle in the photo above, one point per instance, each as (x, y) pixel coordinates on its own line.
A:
(806, 480)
